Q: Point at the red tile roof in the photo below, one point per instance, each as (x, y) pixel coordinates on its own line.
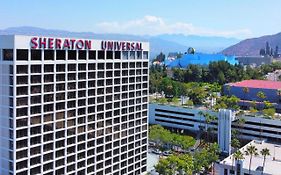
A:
(262, 84)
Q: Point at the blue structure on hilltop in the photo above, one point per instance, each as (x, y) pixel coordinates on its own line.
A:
(198, 58)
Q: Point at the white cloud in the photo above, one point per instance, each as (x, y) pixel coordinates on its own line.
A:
(153, 25)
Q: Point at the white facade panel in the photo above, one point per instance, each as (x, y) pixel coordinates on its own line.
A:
(75, 110)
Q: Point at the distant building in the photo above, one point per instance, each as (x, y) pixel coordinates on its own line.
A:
(241, 167)
(198, 58)
(273, 76)
(271, 90)
(254, 60)
(179, 117)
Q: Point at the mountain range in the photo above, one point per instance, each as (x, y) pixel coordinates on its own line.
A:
(161, 43)
(251, 47)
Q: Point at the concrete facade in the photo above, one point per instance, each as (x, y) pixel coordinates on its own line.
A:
(68, 109)
(225, 118)
(255, 60)
(189, 119)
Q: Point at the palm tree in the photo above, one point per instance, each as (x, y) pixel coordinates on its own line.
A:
(201, 113)
(246, 91)
(208, 119)
(264, 152)
(261, 96)
(228, 88)
(238, 155)
(251, 151)
(235, 144)
(279, 94)
(241, 122)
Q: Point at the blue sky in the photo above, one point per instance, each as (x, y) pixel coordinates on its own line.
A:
(229, 18)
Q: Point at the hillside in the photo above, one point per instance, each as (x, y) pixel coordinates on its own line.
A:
(161, 43)
(251, 47)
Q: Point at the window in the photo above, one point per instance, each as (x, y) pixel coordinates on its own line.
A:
(22, 54)
(145, 55)
(117, 55)
(48, 55)
(8, 54)
(22, 69)
(139, 55)
(60, 54)
(60, 68)
(49, 68)
(35, 68)
(36, 54)
(125, 55)
(72, 55)
(101, 55)
(82, 55)
(225, 172)
(109, 55)
(92, 55)
(132, 55)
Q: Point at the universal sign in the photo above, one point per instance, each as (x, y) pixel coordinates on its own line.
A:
(118, 46)
(56, 43)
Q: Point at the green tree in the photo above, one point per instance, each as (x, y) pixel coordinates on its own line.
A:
(206, 157)
(189, 103)
(246, 90)
(162, 100)
(208, 119)
(269, 112)
(225, 102)
(160, 57)
(174, 164)
(221, 78)
(264, 152)
(178, 74)
(159, 134)
(267, 105)
(196, 93)
(175, 100)
(261, 95)
(251, 151)
(235, 143)
(241, 122)
(238, 155)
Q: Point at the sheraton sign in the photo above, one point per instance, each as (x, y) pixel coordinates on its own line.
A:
(56, 43)
(79, 44)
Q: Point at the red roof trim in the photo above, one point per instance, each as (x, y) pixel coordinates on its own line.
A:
(261, 84)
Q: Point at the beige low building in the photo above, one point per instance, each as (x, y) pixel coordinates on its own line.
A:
(241, 167)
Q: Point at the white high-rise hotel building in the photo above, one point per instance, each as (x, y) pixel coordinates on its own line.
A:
(73, 106)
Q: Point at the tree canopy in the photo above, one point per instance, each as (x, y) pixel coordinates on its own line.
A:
(162, 136)
(174, 164)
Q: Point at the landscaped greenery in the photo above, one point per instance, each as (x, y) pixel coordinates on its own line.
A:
(162, 136)
(175, 163)
(187, 164)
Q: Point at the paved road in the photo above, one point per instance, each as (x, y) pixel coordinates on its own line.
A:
(152, 159)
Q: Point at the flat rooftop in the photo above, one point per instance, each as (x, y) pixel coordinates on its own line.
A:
(261, 84)
(272, 162)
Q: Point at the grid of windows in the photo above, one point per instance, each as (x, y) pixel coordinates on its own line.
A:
(81, 116)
